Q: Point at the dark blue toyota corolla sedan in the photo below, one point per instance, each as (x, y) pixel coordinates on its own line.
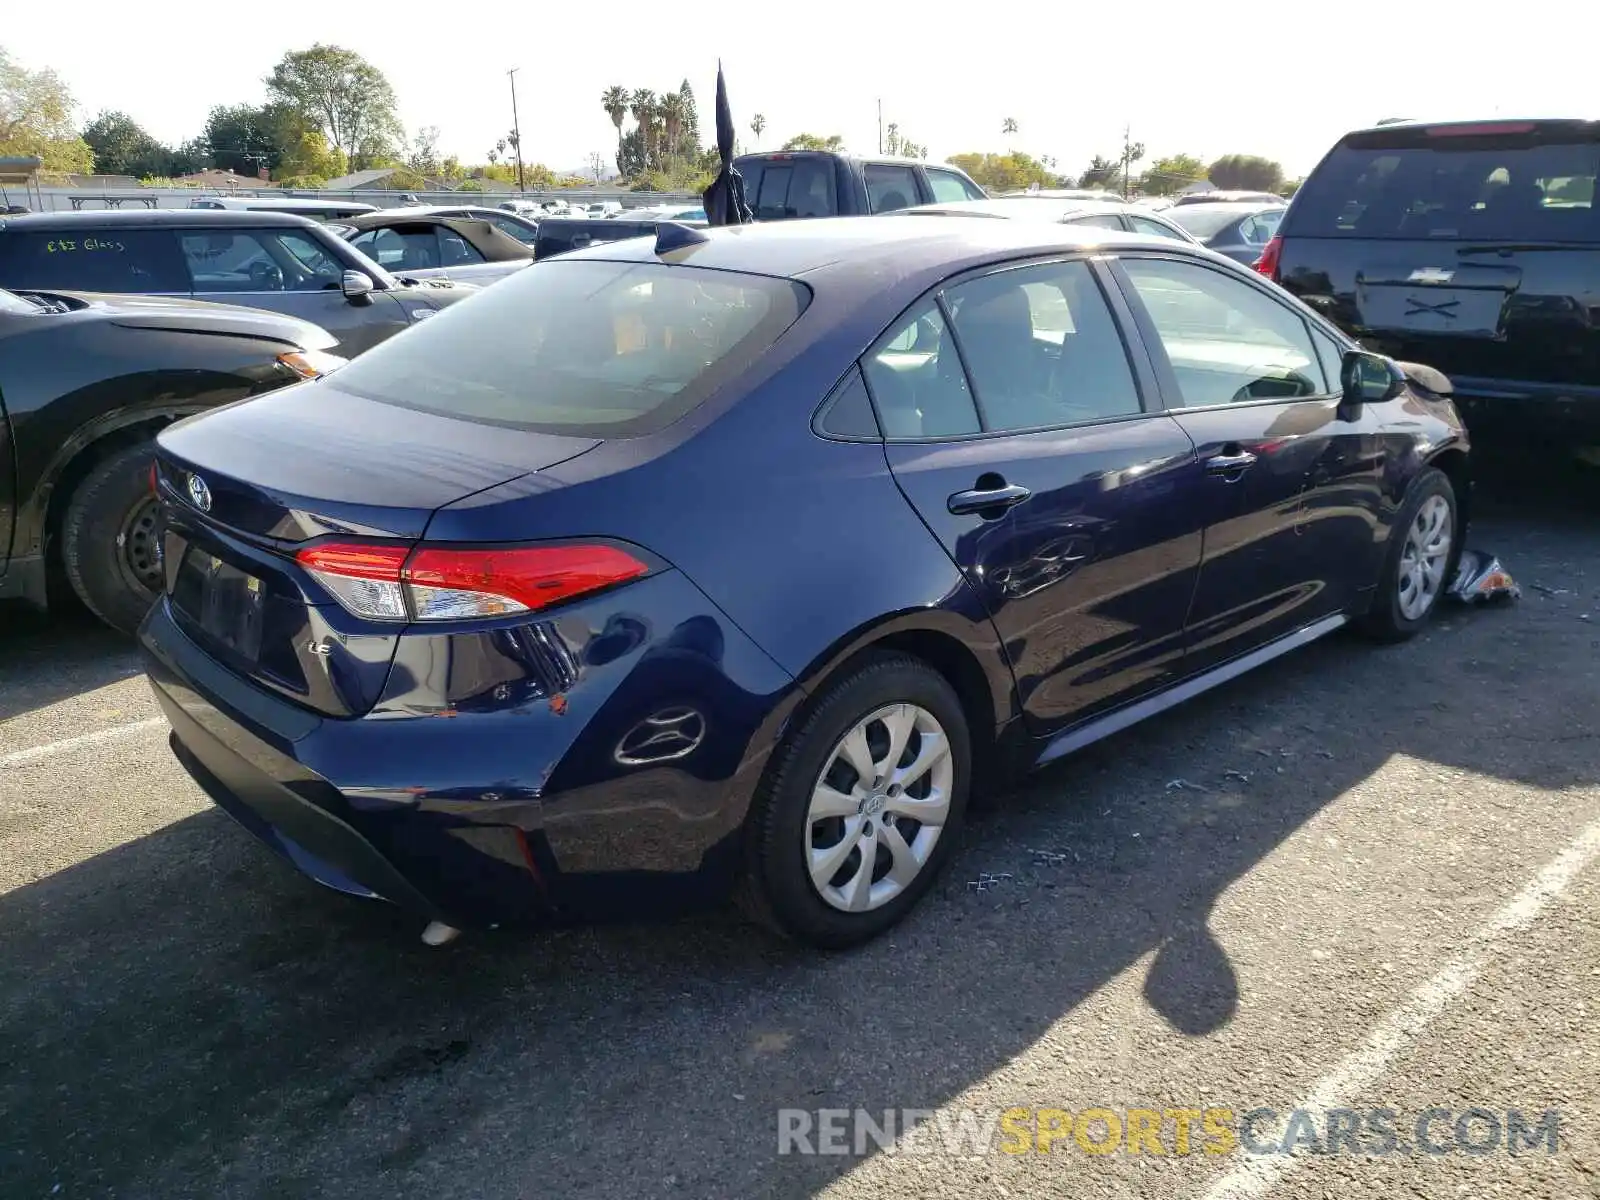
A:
(729, 561)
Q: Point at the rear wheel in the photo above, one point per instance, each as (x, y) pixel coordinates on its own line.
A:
(108, 539)
(862, 807)
(1421, 560)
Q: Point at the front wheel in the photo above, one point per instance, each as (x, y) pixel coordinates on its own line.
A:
(862, 806)
(108, 539)
(1417, 570)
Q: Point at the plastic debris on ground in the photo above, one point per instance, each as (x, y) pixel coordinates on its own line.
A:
(1481, 578)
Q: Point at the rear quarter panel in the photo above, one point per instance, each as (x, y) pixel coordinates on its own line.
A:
(81, 381)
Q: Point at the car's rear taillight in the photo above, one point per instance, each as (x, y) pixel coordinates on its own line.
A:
(449, 583)
(1267, 264)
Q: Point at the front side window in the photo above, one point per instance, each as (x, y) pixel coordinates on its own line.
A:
(454, 250)
(890, 187)
(92, 260)
(228, 260)
(1042, 348)
(583, 348)
(1227, 342)
(947, 187)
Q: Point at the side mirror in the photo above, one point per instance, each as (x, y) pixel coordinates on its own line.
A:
(356, 286)
(1367, 378)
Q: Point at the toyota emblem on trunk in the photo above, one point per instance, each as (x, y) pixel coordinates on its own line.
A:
(199, 493)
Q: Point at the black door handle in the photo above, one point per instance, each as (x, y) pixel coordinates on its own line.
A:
(1229, 464)
(984, 500)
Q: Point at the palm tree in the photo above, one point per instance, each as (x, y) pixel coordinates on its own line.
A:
(672, 112)
(615, 101)
(1008, 126)
(643, 106)
(758, 126)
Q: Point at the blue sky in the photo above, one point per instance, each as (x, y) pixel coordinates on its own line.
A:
(1207, 79)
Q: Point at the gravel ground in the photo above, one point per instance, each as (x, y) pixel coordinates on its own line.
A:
(1363, 878)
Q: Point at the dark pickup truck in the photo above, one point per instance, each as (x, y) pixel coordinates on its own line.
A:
(787, 185)
(784, 185)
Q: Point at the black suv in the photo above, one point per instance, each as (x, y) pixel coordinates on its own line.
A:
(1473, 246)
(285, 263)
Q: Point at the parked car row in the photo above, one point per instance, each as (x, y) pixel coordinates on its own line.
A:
(1098, 464)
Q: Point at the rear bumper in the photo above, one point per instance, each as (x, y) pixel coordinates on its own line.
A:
(498, 810)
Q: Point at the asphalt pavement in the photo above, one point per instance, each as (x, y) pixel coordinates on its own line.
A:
(1364, 880)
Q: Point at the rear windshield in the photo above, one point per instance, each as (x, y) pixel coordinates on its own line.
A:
(582, 347)
(1517, 188)
(779, 189)
(1206, 222)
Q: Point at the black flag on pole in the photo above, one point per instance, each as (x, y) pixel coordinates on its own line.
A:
(724, 199)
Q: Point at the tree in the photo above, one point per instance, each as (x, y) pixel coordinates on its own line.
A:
(349, 100)
(810, 141)
(243, 138)
(1171, 174)
(423, 155)
(122, 147)
(36, 119)
(671, 113)
(758, 126)
(1246, 172)
(1004, 172)
(1103, 172)
(615, 101)
(643, 106)
(690, 142)
(632, 160)
(1008, 126)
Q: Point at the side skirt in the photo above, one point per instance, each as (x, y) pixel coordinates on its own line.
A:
(1076, 738)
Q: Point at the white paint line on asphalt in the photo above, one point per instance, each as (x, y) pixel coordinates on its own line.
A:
(1256, 1176)
(22, 758)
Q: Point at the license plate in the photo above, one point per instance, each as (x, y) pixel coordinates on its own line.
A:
(229, 603)
(1459, 312)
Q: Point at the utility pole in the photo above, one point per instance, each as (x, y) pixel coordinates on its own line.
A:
(1127, 157)
(880, 125)
(516, 128)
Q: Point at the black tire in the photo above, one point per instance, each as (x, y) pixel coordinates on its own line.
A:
(777, 890)
(1384, 621)
(107, 539)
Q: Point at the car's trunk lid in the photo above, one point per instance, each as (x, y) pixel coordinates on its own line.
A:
(248, 485)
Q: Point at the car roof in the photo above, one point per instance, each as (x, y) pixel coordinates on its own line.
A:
(1414, 125)
(1010, 208)
(905, 245)
(158, 218)
(1242, 207)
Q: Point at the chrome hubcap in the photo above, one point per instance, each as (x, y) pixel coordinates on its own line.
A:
(1424, 557)
(878, 807)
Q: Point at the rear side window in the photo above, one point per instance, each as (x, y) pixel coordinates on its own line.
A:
(583, 347)
(92, 260)
(1042, 349)
(783, 189)
(890, 187)
(1146, 225)
(1507, 188)
(918, 382)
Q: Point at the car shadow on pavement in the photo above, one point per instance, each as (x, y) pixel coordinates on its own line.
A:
(47, 658)
(184, 1016)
